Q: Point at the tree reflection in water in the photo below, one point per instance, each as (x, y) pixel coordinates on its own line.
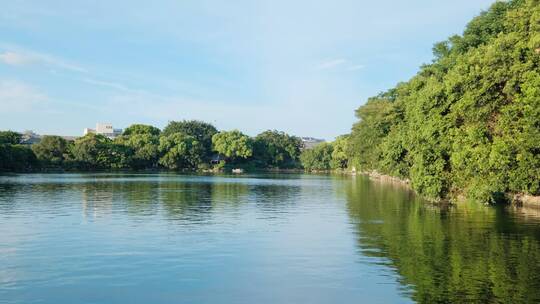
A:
(453, 254)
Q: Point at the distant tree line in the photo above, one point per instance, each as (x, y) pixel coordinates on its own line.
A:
(13, 155)
(182, 145)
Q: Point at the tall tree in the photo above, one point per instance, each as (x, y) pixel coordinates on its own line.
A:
(277, 149)
(17, 158)
(51, 150)
(202, 131)
(95, 151)
(340, 159)
(144, 148)
(318, 158)
(141, 129)
(234, 145)
(180, 151)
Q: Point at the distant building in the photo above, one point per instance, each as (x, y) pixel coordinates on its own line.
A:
(310, 142)
(105, 129)
(30, 138)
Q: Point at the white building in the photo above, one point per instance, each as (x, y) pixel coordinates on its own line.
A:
(105, 129)
(310, 142)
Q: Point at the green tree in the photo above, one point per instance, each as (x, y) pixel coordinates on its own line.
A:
(17, 158)
(51, 150)
(234, 145)
(144, 148)
(277, 149)
(376, 118)
(141, 129)
(202, 131)
(119, 156)
(94, 151)
(13, 156)
(10, 137)
(340, 158)
(319, 158)
(180, 151)
(469, 122)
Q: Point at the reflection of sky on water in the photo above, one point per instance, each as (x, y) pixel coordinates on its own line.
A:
(120, 238)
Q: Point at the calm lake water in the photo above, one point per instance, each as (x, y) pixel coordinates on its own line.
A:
(165, 238)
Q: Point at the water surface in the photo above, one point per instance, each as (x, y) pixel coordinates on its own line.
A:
(165, 238)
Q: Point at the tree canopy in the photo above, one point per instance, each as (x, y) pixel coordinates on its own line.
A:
(144, 149)
(141, 129)
(201, 130)
(277, 149)
(180, 151)
(319, 158)
(93, 151)
(469, 122)
(51, 150)
(10, 137)
(234, 145)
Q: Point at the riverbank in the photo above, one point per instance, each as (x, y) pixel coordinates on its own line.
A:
(387, 178)
(516, 199)
(526, 200)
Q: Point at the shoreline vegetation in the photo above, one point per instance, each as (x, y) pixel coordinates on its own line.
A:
(517, 199)
(466, 126)
(185, 146)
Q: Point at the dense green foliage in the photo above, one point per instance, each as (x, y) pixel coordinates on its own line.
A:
(318, 158)
(332, 156)
(10, 138)
(143, 147)
(13, 156)
(141, 129)
(51, 150)
(201, 130)
(277, 149)
(340, 158)
(468, 123)
(180, 151)
(17, 158)
(234, 145)
(98, 152)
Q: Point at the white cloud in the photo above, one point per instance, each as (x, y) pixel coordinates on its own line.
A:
(18, 96)
(110, 85)
(330, 64)
(356, 67)
(17, 56)
(12, 58)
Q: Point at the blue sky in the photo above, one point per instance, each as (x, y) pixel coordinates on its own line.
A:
(302, 67)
